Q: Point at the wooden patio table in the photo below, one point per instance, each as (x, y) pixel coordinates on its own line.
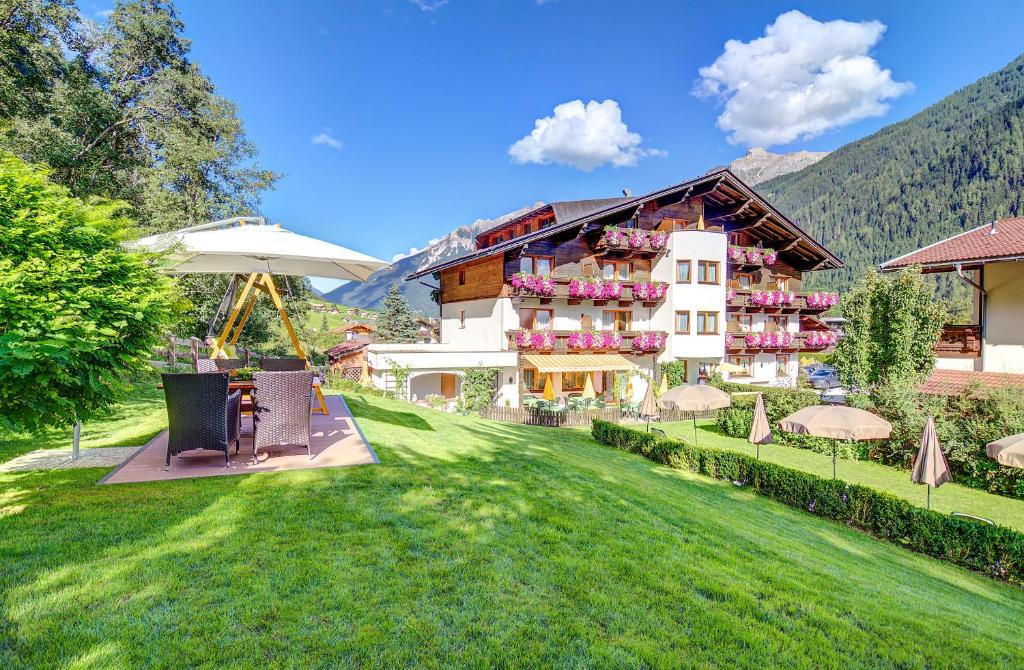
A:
(246, 387)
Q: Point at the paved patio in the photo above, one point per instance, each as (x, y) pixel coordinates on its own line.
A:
(337, 442)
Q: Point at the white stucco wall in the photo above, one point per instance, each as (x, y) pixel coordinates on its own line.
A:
(485, 325)
(962, 364)
(1003, 333)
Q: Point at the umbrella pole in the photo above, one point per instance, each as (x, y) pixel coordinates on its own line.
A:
(929, 504)
(758, 445)
(695, 429)
(833, 460)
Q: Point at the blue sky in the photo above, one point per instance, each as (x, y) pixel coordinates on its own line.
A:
(414, 105)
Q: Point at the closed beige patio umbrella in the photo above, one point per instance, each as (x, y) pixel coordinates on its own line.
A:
(694, 398)
(1008, 451)
(838, 422)
(930, 467)
(649, 407)
(760, 429)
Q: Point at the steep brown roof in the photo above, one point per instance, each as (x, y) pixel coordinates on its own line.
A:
(1003, 240)
(951, 382)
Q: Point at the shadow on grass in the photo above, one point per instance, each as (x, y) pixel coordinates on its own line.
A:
(361, 409)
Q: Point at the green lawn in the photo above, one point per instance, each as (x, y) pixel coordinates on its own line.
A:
(472, 544)
(947, 498)
(129, 423)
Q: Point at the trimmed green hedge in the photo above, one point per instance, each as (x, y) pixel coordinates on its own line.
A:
(992, 550)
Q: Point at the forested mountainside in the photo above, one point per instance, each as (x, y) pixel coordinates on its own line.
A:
(953, 166)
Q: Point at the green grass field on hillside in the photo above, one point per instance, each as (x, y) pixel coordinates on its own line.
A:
(472, 544)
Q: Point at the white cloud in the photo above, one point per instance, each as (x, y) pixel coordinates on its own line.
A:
(429, 5)
(799, 80)
(413, 250)
(582, 136)
(327, 140)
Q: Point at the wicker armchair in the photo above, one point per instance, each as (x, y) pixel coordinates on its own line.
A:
(200, 414)
(283, 364)
(281, 412)
(206, 365)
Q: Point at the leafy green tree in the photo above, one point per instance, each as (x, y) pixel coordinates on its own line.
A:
(396, 323)
(892, 325)
(78, 313)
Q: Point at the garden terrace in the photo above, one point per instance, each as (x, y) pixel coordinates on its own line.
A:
(562, 341)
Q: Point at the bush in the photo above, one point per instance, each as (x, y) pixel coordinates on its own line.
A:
(435, 400)
(479, 386)
(79, 315)
(993, 550)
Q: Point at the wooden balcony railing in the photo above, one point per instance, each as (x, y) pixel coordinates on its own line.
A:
(624, 244)
(959, 341)
(561, 291)
(744, 301)
(561, 342)
(736, 342)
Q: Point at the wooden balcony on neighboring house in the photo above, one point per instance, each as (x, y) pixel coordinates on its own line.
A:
(959, 341)
(570, 341)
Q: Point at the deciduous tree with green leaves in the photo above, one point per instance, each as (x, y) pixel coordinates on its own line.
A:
(397, 323)
(892, 325)
(79, 314)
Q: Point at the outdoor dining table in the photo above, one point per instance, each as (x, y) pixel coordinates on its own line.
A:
(246, 386)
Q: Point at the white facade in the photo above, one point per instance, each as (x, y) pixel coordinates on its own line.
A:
(1002, 332)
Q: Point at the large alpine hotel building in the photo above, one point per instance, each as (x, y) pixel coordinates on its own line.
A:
(705, 271)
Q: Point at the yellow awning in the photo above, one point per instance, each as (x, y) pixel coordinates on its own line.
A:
(577, 362)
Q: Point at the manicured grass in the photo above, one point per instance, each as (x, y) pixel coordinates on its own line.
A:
(947, 498)
(472, 544)
(129, 423)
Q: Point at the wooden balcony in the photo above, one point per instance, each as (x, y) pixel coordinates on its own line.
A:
(562, 343)
(959, 341)
(742, 301)
(802, 342)
(622, 249)
(626, 299)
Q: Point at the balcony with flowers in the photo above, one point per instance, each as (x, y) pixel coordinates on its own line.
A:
(632, 242)
(572, 341)
(578, 289)
(751, 257)
(757, 300)
(524, 283)
(781, 341)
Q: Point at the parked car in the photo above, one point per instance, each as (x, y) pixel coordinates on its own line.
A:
(824, 378)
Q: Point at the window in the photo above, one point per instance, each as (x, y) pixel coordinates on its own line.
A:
(707, 272)
(462, 277)
(683, 272)
(744, 322)
(746, 363)
(781, 365)
(781, 282)
(683, 323)
(499, 239)
(574, 381)
(620, 270)
(744, 280)
(617, 319)
(462, 318)
(707, 323)
(532, 381)
(536, 265)
(781, 323)
(535, 319)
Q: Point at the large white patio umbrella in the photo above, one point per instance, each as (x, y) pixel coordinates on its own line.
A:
(249, 244)
(837, 422)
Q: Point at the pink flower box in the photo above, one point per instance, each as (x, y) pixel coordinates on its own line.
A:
(822, 300)
(539, 285)
(659, 240)
(648, 341)
(594, 339)
(637, 238)
(614, 236)
(537, 340)
(591, 288)
(649, 291)
(822, 339)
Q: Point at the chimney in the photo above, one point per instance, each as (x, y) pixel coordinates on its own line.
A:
(992, 228)
(628, 193)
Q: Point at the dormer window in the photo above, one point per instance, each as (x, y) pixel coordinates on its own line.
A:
(536, 265)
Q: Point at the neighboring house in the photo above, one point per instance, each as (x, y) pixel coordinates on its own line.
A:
(348, 354)
(700, 272)
(987, 258)
(428, 331)
(353, 331)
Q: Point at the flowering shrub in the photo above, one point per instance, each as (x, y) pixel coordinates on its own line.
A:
(649, 291)
(659, 240)
(752, 255)
(542, 285)
(594, 339)
(730, 294)
(769, 340)
(650, 340)
(823, 300)
(821, 338)
(539, 340)
(772, 298)
(591, 288)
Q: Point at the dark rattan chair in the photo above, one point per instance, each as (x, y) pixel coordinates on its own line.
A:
(283, 364)
(281, 412)
(206, 365)
(224, 364)
(200, 414)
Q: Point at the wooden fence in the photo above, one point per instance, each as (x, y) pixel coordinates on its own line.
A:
(531, 416)
(188, 350)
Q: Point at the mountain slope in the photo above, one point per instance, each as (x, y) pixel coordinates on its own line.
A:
(759, 166)
(456, 243)
(953, 166)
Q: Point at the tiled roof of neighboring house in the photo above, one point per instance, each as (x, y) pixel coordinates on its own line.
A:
(951, 382)
(346, 326)
(1001, 240)
(348, 347)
